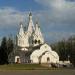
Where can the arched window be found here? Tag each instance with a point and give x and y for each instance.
(35, 41)
(39, 41)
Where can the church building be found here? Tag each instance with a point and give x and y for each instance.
(31, 47)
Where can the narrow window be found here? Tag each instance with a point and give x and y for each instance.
(48, 59)
(39, 41)
(35, 41)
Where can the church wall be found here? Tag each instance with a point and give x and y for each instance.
(44, 56)
(23, 41)
(47, 56)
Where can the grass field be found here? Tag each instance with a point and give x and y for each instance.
(39, 72)
(22, 67)
(11, 67)
(33, 69)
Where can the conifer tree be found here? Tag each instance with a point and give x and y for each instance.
(3, 51)
(10, 45)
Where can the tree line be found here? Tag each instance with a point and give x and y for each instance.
(65, 49)
(6, 48)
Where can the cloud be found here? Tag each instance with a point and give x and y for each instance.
(9, 20)
(60, 12)
(59, 18)
(57, 4)
(10, 17)
(52, 3)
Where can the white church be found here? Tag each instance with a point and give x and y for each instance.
(31, 46)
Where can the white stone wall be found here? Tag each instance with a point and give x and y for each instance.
(23, 41)
(43, 54)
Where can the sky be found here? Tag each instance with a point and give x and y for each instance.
(56, 17)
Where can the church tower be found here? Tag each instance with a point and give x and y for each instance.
(31, 27)
(38, 38)
(21, 32)
(22, 39)
(31, 37)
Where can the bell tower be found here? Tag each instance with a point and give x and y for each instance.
(38, 38)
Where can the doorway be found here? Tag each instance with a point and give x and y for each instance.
(17, 59)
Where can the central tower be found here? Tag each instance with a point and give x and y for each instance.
(31, 27)
(31, 37)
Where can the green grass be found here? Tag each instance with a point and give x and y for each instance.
(22, 67)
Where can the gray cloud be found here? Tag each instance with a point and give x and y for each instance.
(58, 18)
(9, 20)
(10, 17)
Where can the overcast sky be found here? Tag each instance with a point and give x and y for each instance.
(56, 17)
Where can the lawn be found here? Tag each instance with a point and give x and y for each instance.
(11, 67)
(22, 67)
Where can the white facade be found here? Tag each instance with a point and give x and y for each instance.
(44, 55)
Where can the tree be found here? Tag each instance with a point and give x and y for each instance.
(10, 45)
(66, 48)
(6, 48)
(72, 49)
(3, 51)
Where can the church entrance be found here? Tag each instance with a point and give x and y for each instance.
(17, 59)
